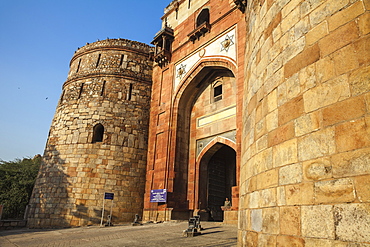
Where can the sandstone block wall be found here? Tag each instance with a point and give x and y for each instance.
(305, 168)
(108, 84)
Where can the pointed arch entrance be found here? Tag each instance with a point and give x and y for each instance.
(217, 177)
(204, 108)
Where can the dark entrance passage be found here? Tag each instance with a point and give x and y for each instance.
(217, 177)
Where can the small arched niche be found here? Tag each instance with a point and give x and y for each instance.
(203, 17)
(98, 133)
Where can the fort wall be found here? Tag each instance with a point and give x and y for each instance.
(306, 146)
(98, 138)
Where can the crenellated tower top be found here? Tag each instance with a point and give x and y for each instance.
(118, 57)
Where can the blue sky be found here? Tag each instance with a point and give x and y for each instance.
(37, 40)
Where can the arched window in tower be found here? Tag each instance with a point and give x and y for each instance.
(129, 93)
(217, 91)
(202, 25)
(203, 17)
(78, 66)
(81, 90)
(98, 61)
(98, 133)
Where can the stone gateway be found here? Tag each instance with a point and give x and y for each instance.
(264, 102)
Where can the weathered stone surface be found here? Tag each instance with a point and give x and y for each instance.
(266, 240)
(317, 33)
(290, 223)
(307, 123)
(318, 144)
(351, 163)
(359, 81)
(254, 199)
(318, 221)
(345, 59)
(362, 186)
(299, 194)
(291, 110)
(352, 222)
(272, 101)
(344, 110)
(363, 23)
(327, 93)
(280, 194)
(305, 58)
(285, 153)
(314, 242)
(325, 69)
(317, 169)
(346, 15)
(271, 220)
(289, 20)
(352, 135)
(267, 198)
(256, 220)
(281, 134)
(339, 190)
(338, 38)
(325, 160)
(252, 239)
(284, 241)
(264, 160)
(290, 174)
(325, 9)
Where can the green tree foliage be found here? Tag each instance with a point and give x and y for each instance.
(17, 179)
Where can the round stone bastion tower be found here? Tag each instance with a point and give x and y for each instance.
(98, 139)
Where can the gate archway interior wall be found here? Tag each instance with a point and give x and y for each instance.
(206, 110)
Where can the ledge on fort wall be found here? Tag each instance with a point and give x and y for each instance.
(12, 224)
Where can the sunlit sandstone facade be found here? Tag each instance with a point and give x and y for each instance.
(265, 102)
(98, 138)
(305, 169)
(195, 118)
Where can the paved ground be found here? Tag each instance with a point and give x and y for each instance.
(162, 234)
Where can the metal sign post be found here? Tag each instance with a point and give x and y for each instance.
(108, 196)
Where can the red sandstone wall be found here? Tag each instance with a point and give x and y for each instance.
(170, 165)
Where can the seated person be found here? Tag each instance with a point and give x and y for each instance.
(227, 203)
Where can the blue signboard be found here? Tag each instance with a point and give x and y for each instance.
(108, 196)
(158, 195)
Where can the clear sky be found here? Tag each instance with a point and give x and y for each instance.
(37, 41)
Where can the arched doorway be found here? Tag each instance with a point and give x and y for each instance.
(217, 176)
(204, 109)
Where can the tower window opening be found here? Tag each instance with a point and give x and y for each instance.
(81, 90)
(102, 89)
(217, 92)
(177, 14)
(203, 17)
(189, 4)
(121, 61)
(129, 94)
(98, 133)
(78, 66)
(97, 62)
